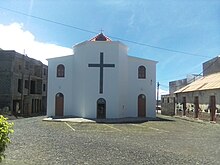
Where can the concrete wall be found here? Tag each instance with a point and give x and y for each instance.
(167, 105)
(211, 66)
(176, 85)
(204, 101)
(5, 79)
(204, 98)
(16, 67)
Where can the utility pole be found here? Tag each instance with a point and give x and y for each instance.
(158, 85)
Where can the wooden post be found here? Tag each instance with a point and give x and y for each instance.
(196, 105)
(158, 85)
(212, 106)
(184, 106)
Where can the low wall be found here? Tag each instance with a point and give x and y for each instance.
(202, 115)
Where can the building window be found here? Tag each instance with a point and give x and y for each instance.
(45, 71)
(44, 87)
(19, 85)
(60, 70)
(27, 65)
(26, 84)
(141, 72)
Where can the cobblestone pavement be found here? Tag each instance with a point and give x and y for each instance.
(172, 141)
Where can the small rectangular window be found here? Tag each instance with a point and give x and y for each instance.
(26, 84)
(27, 65)
(45, 71)
(44, 87)
(19, 85)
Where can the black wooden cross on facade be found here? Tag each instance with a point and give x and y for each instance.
(101, 65)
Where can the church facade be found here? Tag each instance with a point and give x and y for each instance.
(101, 81)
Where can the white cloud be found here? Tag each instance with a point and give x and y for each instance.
(162, 92)
(13, 37)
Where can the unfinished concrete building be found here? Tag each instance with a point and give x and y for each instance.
(211, 66)
(23, 83)
(178, 84)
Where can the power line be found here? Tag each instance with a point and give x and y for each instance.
(213, 62)
(161, 48)
(165, 86)
(200, 74)
(197, 75)
(89, 31)
(48, 20)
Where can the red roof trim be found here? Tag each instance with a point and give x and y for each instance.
(100, 37)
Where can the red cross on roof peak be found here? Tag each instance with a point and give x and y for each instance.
(100, 37)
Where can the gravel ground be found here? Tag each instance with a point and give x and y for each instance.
(174, 141)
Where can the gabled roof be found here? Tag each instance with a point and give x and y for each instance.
(100, 37)
(211, 81)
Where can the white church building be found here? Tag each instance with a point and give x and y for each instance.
(101, 81)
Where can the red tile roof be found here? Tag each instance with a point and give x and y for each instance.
(100, 37)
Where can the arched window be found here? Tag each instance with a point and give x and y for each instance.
(60, 70)
(141, 72)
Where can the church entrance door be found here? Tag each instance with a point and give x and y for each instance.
(141, 105)
(59, 104)
(101, 108)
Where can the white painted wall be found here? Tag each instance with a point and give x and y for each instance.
(62, 85)
(142, 86)
(81, 83)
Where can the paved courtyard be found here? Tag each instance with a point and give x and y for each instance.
(168, 141)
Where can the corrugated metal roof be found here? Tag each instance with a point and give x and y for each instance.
(205, 83)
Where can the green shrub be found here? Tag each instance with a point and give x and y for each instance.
(5, 130)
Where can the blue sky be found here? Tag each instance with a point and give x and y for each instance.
(188, 25)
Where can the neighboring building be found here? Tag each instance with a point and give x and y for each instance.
(101, 81)
(211, 66)
(203, 95)
(178, 84)
(198, 98)
(175, 85)
(168, 105)
(23, 84)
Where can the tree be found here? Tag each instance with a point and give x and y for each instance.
(5, 130)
